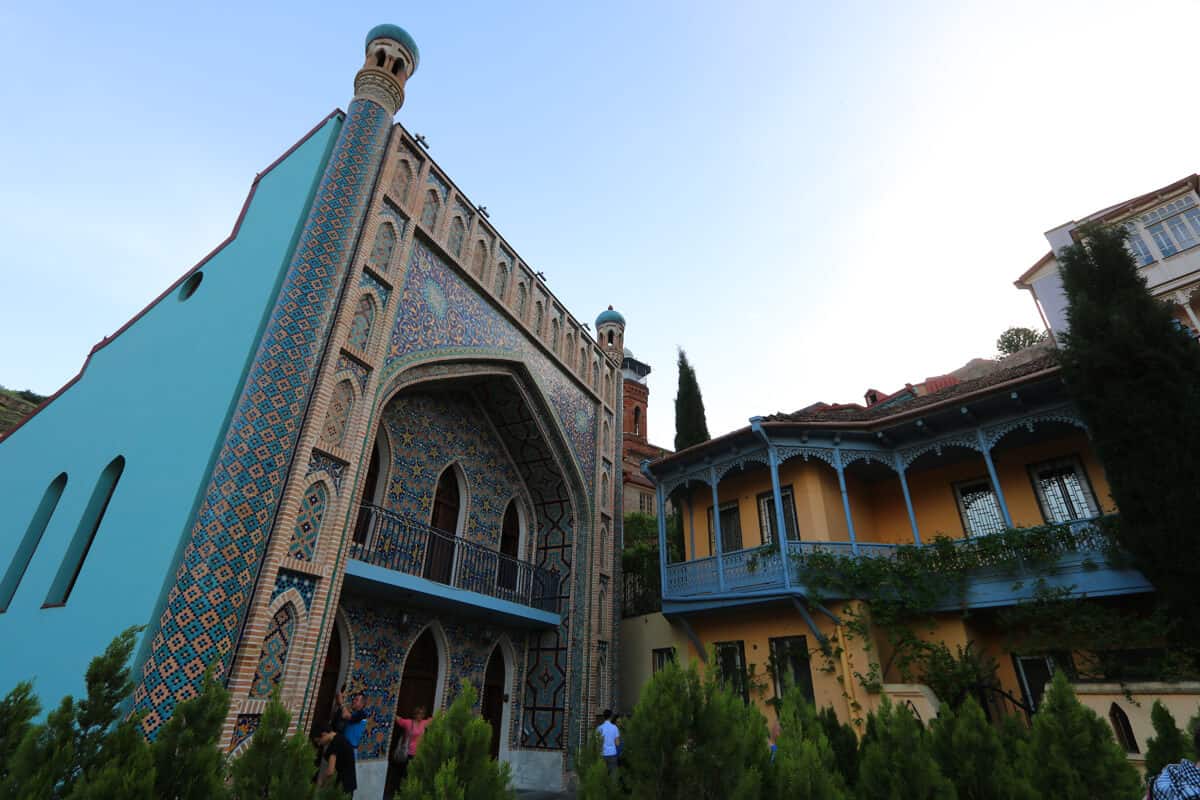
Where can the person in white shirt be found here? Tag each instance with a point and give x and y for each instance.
(610, 740)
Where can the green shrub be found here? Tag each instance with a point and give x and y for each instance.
(1168, 745)
(805, 765)
(844, 743)
(897, 761)
(971, 753)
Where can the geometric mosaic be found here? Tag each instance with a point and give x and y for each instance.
(308, 523)
(273, 659)
(305, 585)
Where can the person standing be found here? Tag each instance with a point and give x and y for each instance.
(610, 741)
(413, 729)
(337, 757)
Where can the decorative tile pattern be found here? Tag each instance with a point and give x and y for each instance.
(308, 523)
(454, 241)
(273, 660)
(441, 313)
(360, 325)
(381, 250)
(397, 217)
(245, 727)
(438, 183)
(402, 180)
(336, 419)
(334, 468)
(305, 585)
(369, 281)
(356, 368)
(206, 607)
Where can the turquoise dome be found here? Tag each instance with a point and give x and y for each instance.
(400, 35)
(610, 316)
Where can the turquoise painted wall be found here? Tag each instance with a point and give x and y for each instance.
(160, 395)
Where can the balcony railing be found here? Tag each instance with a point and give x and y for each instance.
(761, 568)
(391, 541)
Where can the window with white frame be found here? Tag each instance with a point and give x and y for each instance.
(978, 507)
(731, 529)
(660, 657)
(1173, 227)
(766, 515)
(1063, 490)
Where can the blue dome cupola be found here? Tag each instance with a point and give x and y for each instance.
(610, 332)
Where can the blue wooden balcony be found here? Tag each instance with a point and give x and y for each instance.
(404, 561)
(1079, 563)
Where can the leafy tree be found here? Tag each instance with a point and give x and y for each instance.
(189, 764)
(274, 766)
(1072, 754)
(954, 676)
(1136, 379)
(690, 424)
(844, 743)
(17, 711)
(454, 760)
(125, 768)
(805, 765)
(691, 738)
(1168, 745)
(972, 755)
(898, 763)
(1015, 339)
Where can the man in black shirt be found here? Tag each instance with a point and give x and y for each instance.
(336, 756)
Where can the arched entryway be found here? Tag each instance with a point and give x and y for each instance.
(419, 689)
(374, 487)
(510, 543)
(447, 508)
(495, 697)
(333, 670)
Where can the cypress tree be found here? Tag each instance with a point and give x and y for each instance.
(454, 756)
(972, 755)
(1072, 754)
(17, 711)
(805, 765)
(898, 763)
(1168, 745)
(274, 766)
(690, 425)
(189, 764)
(844, 743)
(594, 780)
(1135, 376)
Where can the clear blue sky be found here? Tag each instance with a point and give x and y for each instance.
(810, 198)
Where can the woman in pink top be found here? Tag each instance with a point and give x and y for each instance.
(413, 730)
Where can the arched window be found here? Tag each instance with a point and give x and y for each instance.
(610, 338)
(554, 328)
(308, 523)
(29, 542)
(429, 214)
(583, 362)
(480, 258)
(601, 607)
(381, 251)
(273, 659)
(402, 180)
(380, 58)
(339, 414)
(510, 538)
(637, 420)
(1122, 729)
(608, 386)
(522, 299)
(454, 241)
(596, 375)
(85, 534)
(447, 508)
(538, 314)
(360, 326)
(604, 490)
(604, 441)
(374, 487)
(501, 280)
(569, 351)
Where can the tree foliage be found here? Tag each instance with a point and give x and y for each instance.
(692, 738)
(691, 427)
(1135, 377)
(844, 743)
(1168, 745)
(17, 710)
(188, 761)
(594, 781)
(897, 761)
(1016, 339)
(454, 760)
(972, 754)
(1072, 754)
(805, 765)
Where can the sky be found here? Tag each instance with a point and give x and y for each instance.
(810, 199)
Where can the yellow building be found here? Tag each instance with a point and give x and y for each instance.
(965, 456)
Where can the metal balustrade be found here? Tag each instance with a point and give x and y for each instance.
(394, 542)
(761, 568)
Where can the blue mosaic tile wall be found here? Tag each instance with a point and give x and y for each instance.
(306, 585)
(207, 606)
(382, 636)
(442, 314)
(320, 462)
(428, 431)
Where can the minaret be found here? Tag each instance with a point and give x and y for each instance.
(610, 332)
(215, 607)
(391, 59)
